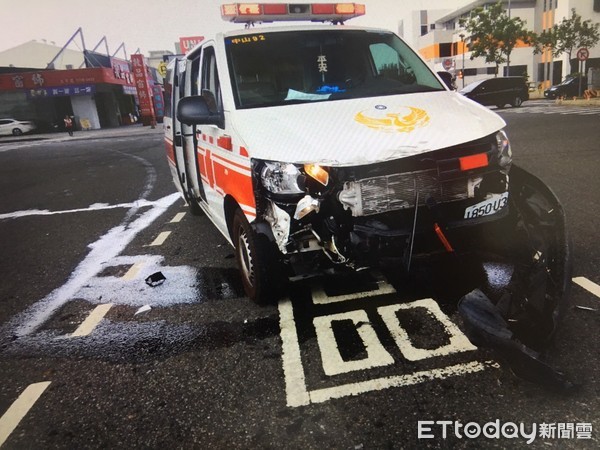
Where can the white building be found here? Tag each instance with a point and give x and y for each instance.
(37, 55)
(443, 41)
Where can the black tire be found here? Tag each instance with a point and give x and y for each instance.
(517, 102)
(256, 258)
(500, 105)
(17, 132)
(193, 206)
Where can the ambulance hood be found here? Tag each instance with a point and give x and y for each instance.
(363, 131)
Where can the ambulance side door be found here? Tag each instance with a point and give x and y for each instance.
(208, 137)
(188, 132)
(174, 90)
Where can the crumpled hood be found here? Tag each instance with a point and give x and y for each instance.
(362, 131)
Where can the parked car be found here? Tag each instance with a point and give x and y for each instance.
(568, 88)
(15, 127)
(448, 79)
(498, 91)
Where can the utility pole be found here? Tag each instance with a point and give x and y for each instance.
(462, 40)
(508, 56)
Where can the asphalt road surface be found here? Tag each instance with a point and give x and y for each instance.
(91, 356)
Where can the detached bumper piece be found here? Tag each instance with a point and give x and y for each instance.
(524, 292)
(485, 327)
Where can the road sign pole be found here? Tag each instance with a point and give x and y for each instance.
(582, 55)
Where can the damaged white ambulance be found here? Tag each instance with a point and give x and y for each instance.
(321, 148)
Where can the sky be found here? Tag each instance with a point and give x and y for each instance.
(158, 24)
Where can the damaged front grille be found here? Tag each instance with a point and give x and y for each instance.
(397, 191)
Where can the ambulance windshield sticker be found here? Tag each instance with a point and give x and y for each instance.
(322, 66)
(247, 39)
(403, 120)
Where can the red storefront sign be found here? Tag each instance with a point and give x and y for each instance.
(188, 43)
(58, 78)
(143, 84)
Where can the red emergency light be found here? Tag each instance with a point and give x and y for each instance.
(271, 12)
(473, 161)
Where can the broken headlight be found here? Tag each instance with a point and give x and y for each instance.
(282, 178)
(290, 179)
(504, 150)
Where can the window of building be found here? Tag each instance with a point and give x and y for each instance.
(445, 49)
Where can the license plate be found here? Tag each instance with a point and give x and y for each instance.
(487, 207)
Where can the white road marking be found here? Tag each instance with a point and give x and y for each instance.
(378, 384)
(104, 249)
(94, 207)
(133, 271)
(588, 285)
(295, 384)
(321, 298)
(20, 407)
(177, 217)
(554, 109)
(458, 341)
(297, 392)
(160, 239)
(95, 317)
(333, 364)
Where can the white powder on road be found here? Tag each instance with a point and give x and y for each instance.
(102, 251)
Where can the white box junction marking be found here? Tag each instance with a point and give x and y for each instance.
(458, 341)
(333, 364)
(299, 394)
(319, 296)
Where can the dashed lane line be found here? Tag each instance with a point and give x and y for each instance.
(92, 321)
(177, 217)
(160, 239)
(20, 407)
(588, 285)
(133, 271)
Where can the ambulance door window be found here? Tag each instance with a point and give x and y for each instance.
(211, 89)
(194, 75)
(168, 95)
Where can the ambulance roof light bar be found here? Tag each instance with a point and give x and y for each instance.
(250, 13)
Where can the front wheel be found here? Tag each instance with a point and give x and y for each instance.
(17, 132)
(517, 102)
(262, 275)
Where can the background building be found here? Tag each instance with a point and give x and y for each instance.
(443, 42)
(38, 54)
(43, 82)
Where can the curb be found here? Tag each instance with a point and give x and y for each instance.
(130, 130)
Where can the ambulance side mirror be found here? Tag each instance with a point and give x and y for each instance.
(193, 110)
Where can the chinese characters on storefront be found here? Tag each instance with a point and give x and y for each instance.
(61, 91)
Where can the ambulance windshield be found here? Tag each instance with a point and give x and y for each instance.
(278, 68)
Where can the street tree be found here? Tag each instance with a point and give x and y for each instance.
(567, 36)
(493, 34)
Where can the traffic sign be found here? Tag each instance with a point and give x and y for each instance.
(448, 64)
(583, 54)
